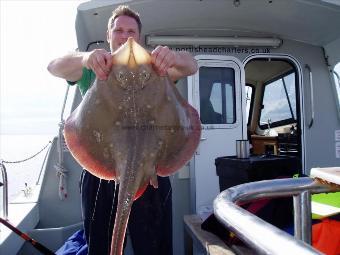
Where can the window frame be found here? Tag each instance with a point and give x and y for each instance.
(251, 106)
(222, 87)
(228, 62)
(285, 121)
(335, 73)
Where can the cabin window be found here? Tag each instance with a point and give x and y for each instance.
(279, 102)
(217, 95)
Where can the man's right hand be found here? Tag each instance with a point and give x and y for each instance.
(99, 61)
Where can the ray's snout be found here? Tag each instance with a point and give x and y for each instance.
(131, 54)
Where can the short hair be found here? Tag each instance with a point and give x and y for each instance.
(124, 10)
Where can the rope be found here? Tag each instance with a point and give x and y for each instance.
(61, 171)
(2, 165)
(42, 165)
(62, 174)
(26, 159)
(64, 104)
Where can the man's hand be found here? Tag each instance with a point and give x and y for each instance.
(163, 58)
(175, 64)
(99, 61)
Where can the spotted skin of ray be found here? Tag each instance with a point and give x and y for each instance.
(129, 129)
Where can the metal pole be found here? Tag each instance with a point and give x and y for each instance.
(303, 217)
(5, 190)
(306, 217)
(297, 217)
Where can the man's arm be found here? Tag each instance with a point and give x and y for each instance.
(177, 64)
(185, 65)
(70, 67)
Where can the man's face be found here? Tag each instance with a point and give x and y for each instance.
(122, 28)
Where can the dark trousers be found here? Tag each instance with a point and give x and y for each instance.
(150, 222)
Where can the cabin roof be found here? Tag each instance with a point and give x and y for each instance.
(314, 22)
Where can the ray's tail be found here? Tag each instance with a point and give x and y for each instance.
(130, 188)
(125, 200)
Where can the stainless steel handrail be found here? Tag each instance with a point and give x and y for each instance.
(311, 95)
(337, 77)
(260, 235)
(5, 190)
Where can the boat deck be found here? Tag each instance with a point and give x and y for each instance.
(204, 242)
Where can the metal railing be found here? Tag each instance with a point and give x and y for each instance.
(257, 233)
(5, 190)
(5, 179)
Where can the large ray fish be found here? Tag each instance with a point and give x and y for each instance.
(131, 128)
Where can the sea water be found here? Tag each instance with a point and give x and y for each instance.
(24, 174)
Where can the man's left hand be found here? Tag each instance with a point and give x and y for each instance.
(163, 58)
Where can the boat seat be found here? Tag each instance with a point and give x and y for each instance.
(52, 238)
(204, 242)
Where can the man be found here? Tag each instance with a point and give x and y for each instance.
(150, 223)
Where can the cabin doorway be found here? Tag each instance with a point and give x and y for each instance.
(273, 107)
(216, 93)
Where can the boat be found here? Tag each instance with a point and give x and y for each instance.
(267, 88)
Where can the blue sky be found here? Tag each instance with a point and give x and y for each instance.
(32, 34)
